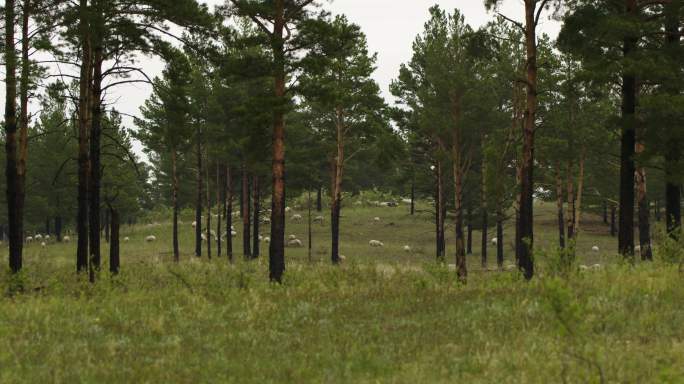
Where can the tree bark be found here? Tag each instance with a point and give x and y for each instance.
(485, 213)
(83, 141)
(219, 209)
(526, 214)
(229, 214)
(559, 205)
(459, 173)
(413, 196)
(439, 213)
(605, 212)
(644, 214)
(571, 205)
(469, 241)
(500, 239)
(114, 242)
(613, 224)
(336, 207)
(13, 182)
(673, 155)
(579, 192)
(208, 202)
(255, 214)
(277, 245)
(198, 202)
(628, 142)
(174, 198)
(58, 228)
(246, 209)
(95, 164)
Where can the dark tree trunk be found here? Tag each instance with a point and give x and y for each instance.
(47, 226)
(277, 245)
(310, 234)
(439, 214)
(413, 198)
(255, 214)
(95, 164)
(656, 209)
(673, 155)
(559, 206)
(58, 228)
(571, 207)
(83, 124)
(208, 202)
(229, 214)
(605, 212)
(319, 199)
(114, 243)
(484, 211)
(106, 225)
(628, 142)
(219, 209)
(246, 228)
(174, 198)
(644, 211)
(613, 226)
(469, 242)
(13, 183)
(338, 167)
(500, 239)
(199, 198)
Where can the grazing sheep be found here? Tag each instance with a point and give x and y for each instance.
(407, 248)
(267, 239)
(66, 239)
(296, 217)
(29, 239)
(203, 236)
(637, 249)
(38, 236)
(213, 233)
(406, 201)
(47, 237)
(42, 244)
(194, 224)
(318, 219)
(376, 243)
(510, 267)
(596, 267)
(342, 258)
(288, 209)
(267, 220)
(294, 243)
(595, 248)
(583, 267)
(261, 238)
(495, 241)
(126, 238)
(151, 238)
(233, 233)
(376, 219)
(292, 237)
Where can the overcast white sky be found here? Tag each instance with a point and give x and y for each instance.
(390, 25)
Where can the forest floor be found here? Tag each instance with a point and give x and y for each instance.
(385, 315)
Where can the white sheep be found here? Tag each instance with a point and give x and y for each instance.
(66, 239)
(376, 243)
(203, 236)
(29, 239)
(267, 239)
(261, 238)
(583, 267)
(596, 267)
(126, 238)
(318, 219)
(343, 258)
(294, 243)
(407, 248)
(233, 233)
(38, 236)
(495, 241)
(47, 237)
(292, 237)
(151, 238)
(406, 201)
(43, 244)
(510, 267)
(637, 249)
(296, 217)
(267, 220)
(288, 209)
(194, 224)
(595, 248)
(376, 219)
(213, 233)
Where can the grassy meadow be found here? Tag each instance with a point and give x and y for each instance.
(385, 315)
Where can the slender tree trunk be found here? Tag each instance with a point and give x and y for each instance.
(485, 213)
(95, 165)
(208, 201)
(605, 212)
(500, 239)
(114, 244)
(319, 199)
(628, 142)
(337, 187)
(219, 209)
(310, 234)
(174, 197)
(106, 225)
(255, 214)
(83, 141)
(571, 205)
(58, 228)
(198, 202)
(24, 117)
(13, 182)
(246, 209)
(613, 224)
(673, 155)
(559, 205)
(277, 245)
(458, 173)
(526, 215)
(440, 213)
(229, 214)
(469, 242)
(580, 193)
(644, 219)
(656, 209)
(413, 196)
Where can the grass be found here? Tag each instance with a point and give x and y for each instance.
(384, 316)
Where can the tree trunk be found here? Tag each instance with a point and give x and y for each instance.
(255, 214)
(559, 205)
(413, 197)
(469, 242)
(485, 213)
(337, 187)
(644, 219)
(310, 234)
(58, 228)
(439, 213)
(198, 202)
(246, 209)
(174, 198)
(579, 193)
(208, 202)
(106, 225)
(656, 209)
(673, 155)
(628, 142)
(95, 165)
(47, 226)
(219, 209)
(319, 199)
(114, 243)
(613, 227)
(13, 182)
(571, 205)
(526, 215)
(458, 173)
(83, 145)
(605, 212)
(229, 214)
(500, 239)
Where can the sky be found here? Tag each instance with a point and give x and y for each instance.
(390, 26)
